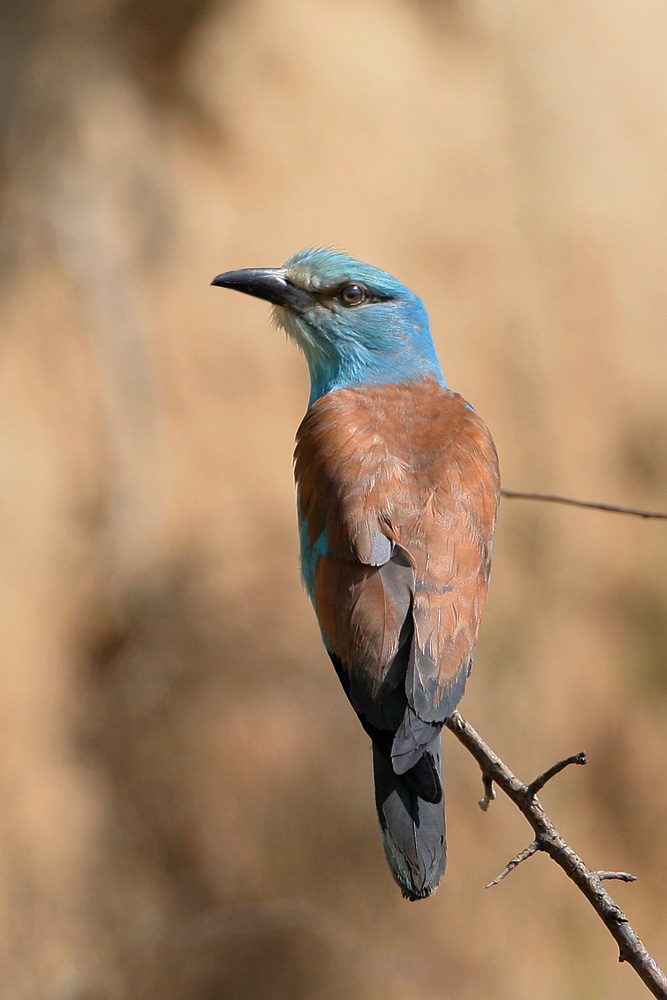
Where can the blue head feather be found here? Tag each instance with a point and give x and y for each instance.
(383, 339)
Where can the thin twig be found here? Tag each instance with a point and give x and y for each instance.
(631, 949)
(540, 781)
(621, 876)
(523, 855)
(554, 498)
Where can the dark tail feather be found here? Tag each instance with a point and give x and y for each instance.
(413, 830)
(424, 777)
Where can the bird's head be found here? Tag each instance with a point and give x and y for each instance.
(355, 324)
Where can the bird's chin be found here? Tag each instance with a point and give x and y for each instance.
(295, 328)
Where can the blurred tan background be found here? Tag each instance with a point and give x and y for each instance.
(186, 799)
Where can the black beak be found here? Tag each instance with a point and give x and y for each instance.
(270, 283)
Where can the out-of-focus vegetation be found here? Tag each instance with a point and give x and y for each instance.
(187, 806)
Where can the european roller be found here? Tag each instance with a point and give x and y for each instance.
(397, 494)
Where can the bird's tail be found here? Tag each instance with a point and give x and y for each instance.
(413, 829)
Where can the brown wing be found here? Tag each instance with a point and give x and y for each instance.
(404, 482)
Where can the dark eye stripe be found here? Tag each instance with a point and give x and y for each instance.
(351, 294)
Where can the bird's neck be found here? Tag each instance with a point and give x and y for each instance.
(362, 367)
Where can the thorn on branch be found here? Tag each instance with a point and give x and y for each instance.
(521, 856)
(538, 784)
(625, 955)
(489, 793)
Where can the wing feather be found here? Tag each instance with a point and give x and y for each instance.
(404, 482)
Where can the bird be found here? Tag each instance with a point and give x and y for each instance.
(397, 484)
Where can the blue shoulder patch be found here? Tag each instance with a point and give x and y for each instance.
(310, 553)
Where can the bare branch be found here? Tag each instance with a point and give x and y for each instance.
(523, 855)
(548, 839)
(555, 498)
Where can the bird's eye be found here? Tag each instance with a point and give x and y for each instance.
(352, 294)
